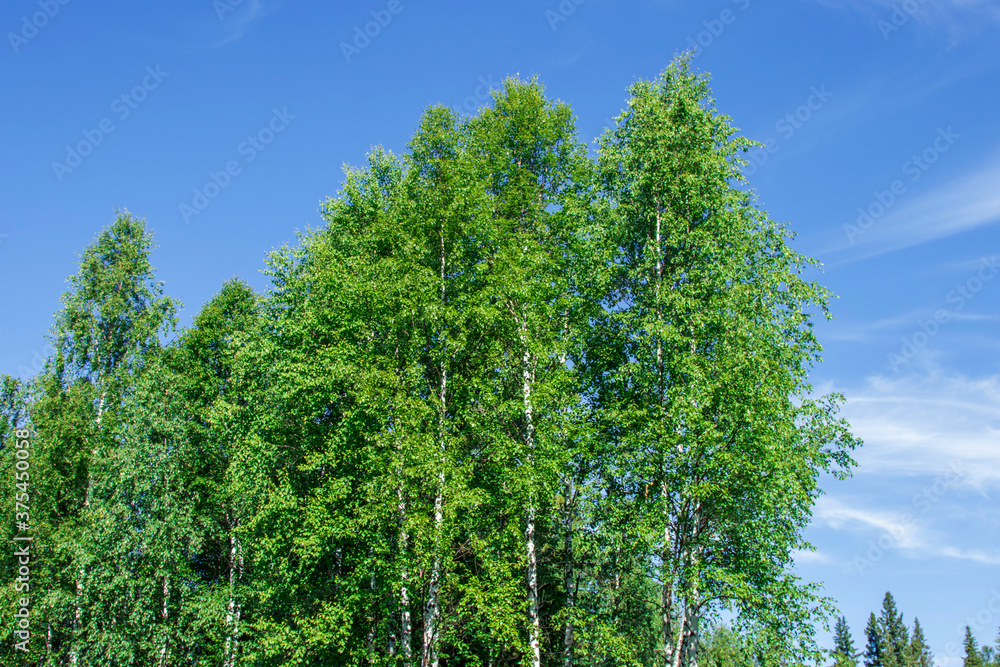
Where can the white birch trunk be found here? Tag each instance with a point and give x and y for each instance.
(666, 552)
(405, 622)
(534, 622)
(78, 610)
(432, 610)
(569, 580)
(165, 614)
(678, 652)
(233, 607)
(667, 593)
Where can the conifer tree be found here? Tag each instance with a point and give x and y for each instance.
(844, 654)
(918, 653)
(873, 643)
(971, 657)
(893, 633)
(991, 654)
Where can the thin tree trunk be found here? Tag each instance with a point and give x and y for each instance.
(406, 639)
(693, 605)
(165, 614)
(666, 599)
(569, 504)
(165, 610)
(677, 652)
(666, 552)
(405, 622)
(78, 610)
(687, 649)
(534, 622)
(432, 610)
(233, 608)
(686, 646)
(569, 579)
(372, 586)
(534, 627)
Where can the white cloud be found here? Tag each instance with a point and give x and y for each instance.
(929, 428)
(957, 18)
(805, 556)
(905, 534)
(964, 204)
(920, 422)
(978, 555)
(239, 20)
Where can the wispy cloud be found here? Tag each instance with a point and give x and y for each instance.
(909, 535)
(956, 18)
(805, 556)
(238, 22)
(887, 330)
(967, 203)
(864, 332)
(838, 514)
(977, 555)
(918, 422)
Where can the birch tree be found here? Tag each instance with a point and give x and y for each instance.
(534, 173)
(721, 443)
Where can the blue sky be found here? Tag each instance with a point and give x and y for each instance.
(225, 123)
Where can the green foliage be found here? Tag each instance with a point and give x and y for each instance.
(844, 654)
(893, 635)
(699, 362)
(888, 641)
(874, 643)
(917, 653)
(721, 647)
(972, 657)
(508, 405)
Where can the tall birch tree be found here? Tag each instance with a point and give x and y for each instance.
(708, 346)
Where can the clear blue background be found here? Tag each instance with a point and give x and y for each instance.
(893, 89)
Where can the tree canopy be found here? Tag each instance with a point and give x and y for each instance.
(510, 404)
